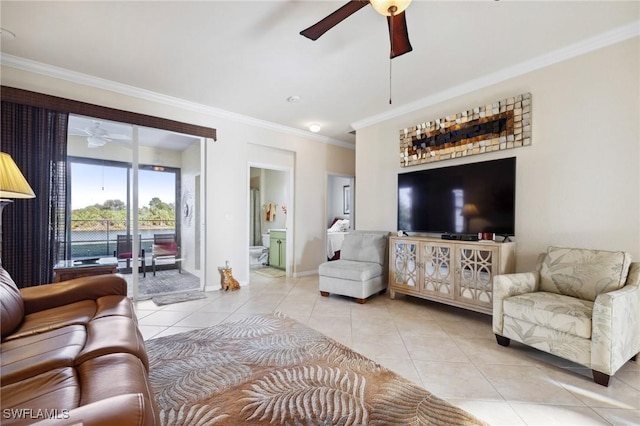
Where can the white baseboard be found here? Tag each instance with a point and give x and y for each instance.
(305, 273)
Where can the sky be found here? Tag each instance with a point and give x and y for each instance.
(94, 184)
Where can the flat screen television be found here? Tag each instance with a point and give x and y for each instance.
(464, 199)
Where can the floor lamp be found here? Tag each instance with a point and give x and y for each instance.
(469, 211)
(12, 185)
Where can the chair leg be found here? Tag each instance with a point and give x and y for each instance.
(601, 378)
(153, 266)
(503, 341)
(324, 293)
(361, 301)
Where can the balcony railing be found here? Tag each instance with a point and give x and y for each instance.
(97, 238)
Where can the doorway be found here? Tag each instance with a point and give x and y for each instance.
(340, 212)
(131, 190)
(270, 212)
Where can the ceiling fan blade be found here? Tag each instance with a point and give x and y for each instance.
(318, 29)
(78, 132)
(119, 136)
(398, 35)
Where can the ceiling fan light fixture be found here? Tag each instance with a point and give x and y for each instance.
(95, 141)
(390, 7)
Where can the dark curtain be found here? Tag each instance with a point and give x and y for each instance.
(33, 230)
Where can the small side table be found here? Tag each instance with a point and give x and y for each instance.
(76, 268)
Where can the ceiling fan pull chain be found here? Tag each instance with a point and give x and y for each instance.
(391, 56)
(390, 80)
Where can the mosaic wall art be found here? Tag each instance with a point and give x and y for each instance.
(502, 125)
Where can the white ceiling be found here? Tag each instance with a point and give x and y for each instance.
(248, 57)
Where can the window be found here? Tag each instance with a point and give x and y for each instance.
(99, 200)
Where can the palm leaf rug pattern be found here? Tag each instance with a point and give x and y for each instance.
(272, 370)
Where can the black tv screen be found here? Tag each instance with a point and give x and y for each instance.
(465, 199)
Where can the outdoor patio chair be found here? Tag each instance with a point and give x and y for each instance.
(124, 251)
(164, 247)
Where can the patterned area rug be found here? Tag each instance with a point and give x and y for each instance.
(166, 281)
(273, 370)
(168, 299)
(270, 272)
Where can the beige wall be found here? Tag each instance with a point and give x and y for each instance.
(577, 185)
(227, 162)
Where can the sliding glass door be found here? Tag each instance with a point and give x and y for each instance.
(127, 202)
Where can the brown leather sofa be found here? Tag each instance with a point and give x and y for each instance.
(72, 354)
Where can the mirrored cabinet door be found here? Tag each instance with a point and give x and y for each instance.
(477, 268)
(438, 276)
(405, 264)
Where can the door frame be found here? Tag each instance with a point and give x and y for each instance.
(290, 212)
(352, 204)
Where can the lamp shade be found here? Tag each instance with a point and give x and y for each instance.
(12, 182)
(389, 7)
(469, 210)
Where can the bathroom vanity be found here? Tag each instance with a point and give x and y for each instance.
(278, 248)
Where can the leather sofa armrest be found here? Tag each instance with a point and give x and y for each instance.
(58, 294)
(616, 325)
(509, 285)
(121, 410)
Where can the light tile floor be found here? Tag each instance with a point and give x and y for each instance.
(449, 351)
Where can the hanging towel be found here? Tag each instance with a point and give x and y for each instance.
(270, 212)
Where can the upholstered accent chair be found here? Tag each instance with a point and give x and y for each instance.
(362, 269)
(581, 305)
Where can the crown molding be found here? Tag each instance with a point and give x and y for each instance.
(124, 89)
(599, 41)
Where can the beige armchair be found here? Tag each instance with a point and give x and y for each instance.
(581, 305)
(362, 269)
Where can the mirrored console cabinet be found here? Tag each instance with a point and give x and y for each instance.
(459, 273)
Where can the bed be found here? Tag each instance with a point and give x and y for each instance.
(335, 237)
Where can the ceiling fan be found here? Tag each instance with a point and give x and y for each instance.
(392, 9)
(98, 136)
